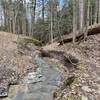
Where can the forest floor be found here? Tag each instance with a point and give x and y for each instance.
(20, 61)
(87, 84)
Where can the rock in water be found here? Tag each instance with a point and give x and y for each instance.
(35, 77)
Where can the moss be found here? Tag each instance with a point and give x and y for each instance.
(56, 66)
(73, 98)
(76, 80)
(33, 40)
(23, 42)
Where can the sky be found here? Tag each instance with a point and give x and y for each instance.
(61, 2)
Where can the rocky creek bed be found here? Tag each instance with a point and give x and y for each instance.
(39, 85)
(38, 77)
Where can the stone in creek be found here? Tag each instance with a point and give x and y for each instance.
(34, 77)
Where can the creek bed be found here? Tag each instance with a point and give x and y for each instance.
(41, 85)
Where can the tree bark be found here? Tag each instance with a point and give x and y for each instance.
(87, 19)
(74, 20)
(81, 14)
(96, 12)
(51, 21)
(43, 10)
(99, 12)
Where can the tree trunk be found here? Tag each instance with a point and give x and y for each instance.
(74, 20)
(91, 16)
(87, 19)
(51, 21)
(43, 10)
(81, 14)
(96, 12)
(33, 15)
(99, 12)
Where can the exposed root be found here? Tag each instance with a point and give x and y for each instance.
(67, 60)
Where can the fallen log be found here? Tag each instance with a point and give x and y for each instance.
(50, 53)
(92, 30)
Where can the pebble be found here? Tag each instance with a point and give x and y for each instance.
(34, 77)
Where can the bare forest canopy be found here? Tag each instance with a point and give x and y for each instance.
(47, 19)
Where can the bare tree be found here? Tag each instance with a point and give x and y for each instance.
(74, 20)
(99, 11)
(43, 10)
(96, 12)
(87, 18)
(51, 20)
(81, 14)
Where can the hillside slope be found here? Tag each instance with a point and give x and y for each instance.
(87, 86)
(13, 65)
